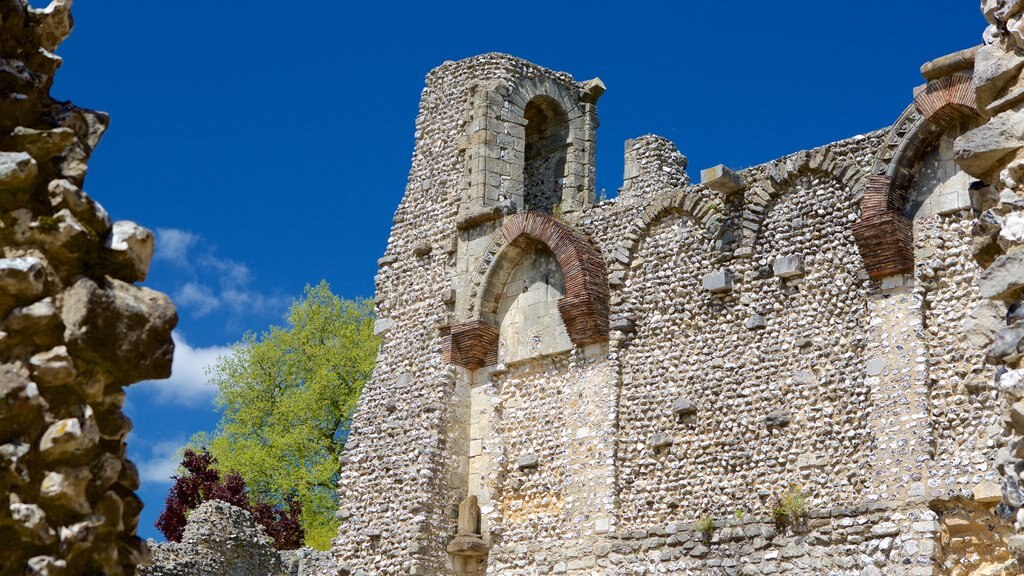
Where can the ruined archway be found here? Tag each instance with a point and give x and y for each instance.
(583, 307)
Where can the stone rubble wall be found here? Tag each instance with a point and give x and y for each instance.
(994, 153)
(74, 328)
(750, 350)
(827, 322)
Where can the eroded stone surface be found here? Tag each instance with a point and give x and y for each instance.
(68, 505)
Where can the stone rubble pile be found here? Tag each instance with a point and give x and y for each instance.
(224, 540)
(74, 329)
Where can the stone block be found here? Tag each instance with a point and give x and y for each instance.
(788, 266)
(987, 492)
(17, 169)
(660, 441)
(719, 281)
(721, 179)
(978, 150)
(528, 462)
(22, 278)
(874, 366)
(1017, 417)
(1003, 277)
(127, 251)
(1008, 344)
(994, 68)
(123, 324)
(381, 326)
(983, 322)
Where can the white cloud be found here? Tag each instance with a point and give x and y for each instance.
(243, 301)
(229, 272)
(188, 384)
(198, 298)
(162, 462)
(225, 285)
(173, 245)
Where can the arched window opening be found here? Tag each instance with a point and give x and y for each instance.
(547, 138)
(530, 284)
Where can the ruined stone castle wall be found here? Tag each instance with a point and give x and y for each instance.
(632, 386)
(74, 328)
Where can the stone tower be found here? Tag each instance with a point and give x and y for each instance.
(485, 279)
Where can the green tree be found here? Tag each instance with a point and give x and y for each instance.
(287, 397)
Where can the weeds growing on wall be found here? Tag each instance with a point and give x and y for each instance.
(706, 527)
(790, 507)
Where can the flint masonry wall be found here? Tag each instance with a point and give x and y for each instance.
(74, 329)
(813, 322)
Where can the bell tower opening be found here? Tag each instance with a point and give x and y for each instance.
(547, 141)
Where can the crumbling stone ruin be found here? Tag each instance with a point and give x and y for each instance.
(224, 540)
(811, 366)
(74, 329)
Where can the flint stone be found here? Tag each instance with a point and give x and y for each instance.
(998, 11)
(66, 196)
(128, 250)
(69, 437)
(1007, 345)
(1012, 495)
(1012, 231)
(1003, 277)
(30, 521)
(777, 419)
(46, 566)
(65, 488)
(755, 322)
(1016, 546)
(43, 144)
(788, 266)
(121, 325)
(683, 407)
(35, 318)
(977, 151)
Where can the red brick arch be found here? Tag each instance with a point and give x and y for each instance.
(584, 308)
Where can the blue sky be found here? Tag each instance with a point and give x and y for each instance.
(268, 143)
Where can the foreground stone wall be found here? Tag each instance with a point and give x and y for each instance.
(74, 329)
(994, 153)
